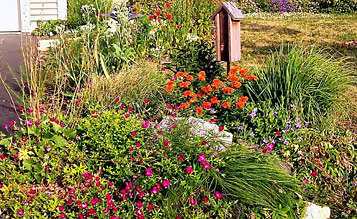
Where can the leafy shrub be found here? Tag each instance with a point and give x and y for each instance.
(282, 6)
(307, 77)
(347, 6)
(47, 28)
(202, 57)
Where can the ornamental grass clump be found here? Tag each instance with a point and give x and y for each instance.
(309, 78)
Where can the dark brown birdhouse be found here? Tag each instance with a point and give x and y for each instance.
(227, 19)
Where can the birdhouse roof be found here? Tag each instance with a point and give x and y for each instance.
(231, 9)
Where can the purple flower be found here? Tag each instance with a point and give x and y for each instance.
(240, 128)
(285, 131)
(297, 119)
(274, 112)
(293, 106)
(251, 134)
(266, 140)
(298, 125)
(286, 142)
(293, 129)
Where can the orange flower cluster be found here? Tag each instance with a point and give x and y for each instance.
(217, 86)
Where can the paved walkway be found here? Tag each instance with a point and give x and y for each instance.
(10, 58)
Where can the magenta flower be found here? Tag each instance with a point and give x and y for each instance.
(139, 204)
(202, 158)
(84, 205)
(5, 126)
(206, 165)
(127, 115)
(60, 208)
(131, 149)
(24, 139)
(62, 215)
(150, 207)
(314, 174)
(304, 181)
(21, 108)
(94, 201)
(218, 195)
(32, 192)
(192, 201)
(155, 190)
(146, 101)
(189, 170)
(174, 126)
(20, 212)
(105, 210)
(48, 149)
(166, 183)
(166, 143)
(148, 172)
(138, 144)
(108, 197)
(169, 106)
(177, 108)
(12, 123)
(133, 134)
(221, 128)
(130, 108)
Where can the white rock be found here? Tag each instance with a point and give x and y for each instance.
(201, 128)
(313, 211)
(44, 45)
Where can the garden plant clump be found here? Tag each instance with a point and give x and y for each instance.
(90, 140)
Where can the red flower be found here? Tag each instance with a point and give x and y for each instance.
(204, 142)
(135, 9)
(278, 133)
(60, 208)
(178, 26)
(101, 16)
(169, 16)
(108, 197)
(151, 16)
(63, 215)
(205, 199)
(180, 158)
(150, 207)
(157, 12)
(32, 192)
(314, 174)
(168, 4)
(146, 101)
(221, 128)
(2, 157)
(166, 143)
(131, 149)
(133, 134)
(117, 99)
(189, 170)
(92, 211)
(21, 108)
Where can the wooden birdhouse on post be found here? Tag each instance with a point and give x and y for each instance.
(228, 41)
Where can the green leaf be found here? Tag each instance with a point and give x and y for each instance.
(5, 142)
(70, 133)
(59, 141)
(28, 164)
(106, 73)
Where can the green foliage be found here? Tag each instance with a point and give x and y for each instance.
(332, 156)
(344, 6)
(307, 77)
(201, 56)
(48, 28)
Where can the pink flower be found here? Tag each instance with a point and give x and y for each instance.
(206, 165)
(174, 126)
(127, 115)
(62, 215)
(80, 216)
(218, 195)
(130, 108)
(148, 172)
(5, 126)
(94, 201)
(304, 181)
(202, 158)
(131, 149)
(128, 185)
(155, 190)
(60, 208)
(110, 184)
(70, 201)
(163, 68)
(146, 101)
(24, 139)
(165, 156)
(2, 157)
(221, 128)
(123, 192)
(105, 210)
(48, 149)
(133, 134)
(138, 144)
(189, 170)
(21, 108)
(314, 174)
(166, 183)
(169, 106)
(108, 197)
(204, 142)
(32, 192)
(177, 108)
(20, 212)
(166, 143)
(71, 191)
(12, 123)
(139, 204)
(192, 201)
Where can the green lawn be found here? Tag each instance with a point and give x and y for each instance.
(264, 33)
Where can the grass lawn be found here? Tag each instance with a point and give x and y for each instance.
(264, 33)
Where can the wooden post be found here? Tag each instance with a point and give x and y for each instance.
(228, 67)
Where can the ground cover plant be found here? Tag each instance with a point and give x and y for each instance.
(91, 144)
